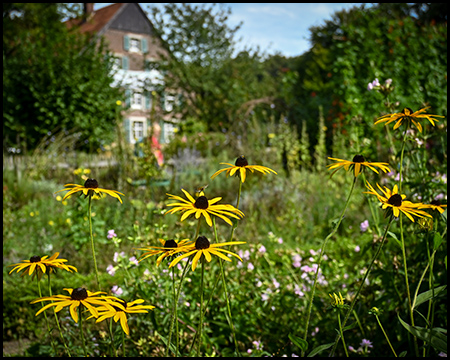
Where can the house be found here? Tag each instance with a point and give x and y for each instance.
(130, 38)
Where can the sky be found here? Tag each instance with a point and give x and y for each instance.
(276, 27)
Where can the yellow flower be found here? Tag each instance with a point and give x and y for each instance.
(336, 300)
(78, 296)
(240, 167)
(358, 163)
(203, 206)
(42, 264)
(409, 116)
(434, 205)
(167, 249)
(51, 223)
(118, 310)
(395, 202)
(90, 188)
(201, 247)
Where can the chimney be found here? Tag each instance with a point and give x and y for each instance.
(88, 9)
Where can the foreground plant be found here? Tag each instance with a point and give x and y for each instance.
(89, 189)
(203, 249)
(203, 207)
(78, 298)
(394, 205)
(408, 116)
(37, 266)
(240, 168)
(337, 302)
(118, 309)
(357, 165)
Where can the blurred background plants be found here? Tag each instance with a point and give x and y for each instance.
(296, 112)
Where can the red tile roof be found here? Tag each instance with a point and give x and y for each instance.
(97, 20)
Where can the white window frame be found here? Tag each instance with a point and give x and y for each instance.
(137, 101)
(135, 44)
(138, 126)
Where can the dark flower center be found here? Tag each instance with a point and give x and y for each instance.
(202, 243)
(79, 294)
(395, 200)
(359, 159)
(35, 258)
(170, 244)
(201, 203)
(91, 184)
(241, 161)
(407, 111)
(435, 203)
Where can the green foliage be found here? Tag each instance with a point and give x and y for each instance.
(53, 79)
(385, 41)
(216, 87)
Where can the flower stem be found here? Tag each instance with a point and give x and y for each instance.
(92, 242)
(175, 316)
(123, 344)
(111, 336)
(45, 315)
(411, 314)
(341, 332)
(200, 325)
(81, 330)
(322, 251)
(56, 317)
(229, 317)
(362, 282)
(385, 335)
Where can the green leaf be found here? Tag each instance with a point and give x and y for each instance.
(319, 349)
(437, 241)
(302, 344)
(395, 238)
(427, 295)
(438, 339)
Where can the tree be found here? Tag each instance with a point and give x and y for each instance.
(218, 88)
(53, 78)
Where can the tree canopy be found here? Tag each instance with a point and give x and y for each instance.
(53, 78)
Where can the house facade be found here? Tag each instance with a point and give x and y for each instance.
(130, 38)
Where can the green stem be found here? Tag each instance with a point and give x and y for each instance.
(56, 317)
(411, 314)
(123, 344)
(81, 330)
(45, 315)
(176, 302)
(92, 242)
(342, 334)
(362, 282)
(200, 325)
(111, 336)
(322, 251)
(229, 317)
(385, 335)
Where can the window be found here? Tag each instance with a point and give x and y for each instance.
(136, 101)
(135, 45)
(137, 130)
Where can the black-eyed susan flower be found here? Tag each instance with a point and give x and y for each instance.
(357, 164)
(40, 265)
(90, 188)
(407, 115)
(394, 202)
(434, 205)
(336, 301)
(166, 250)
(203, 247)
(203, 206)
(78, 296)
(118, 310)
(240, 167)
